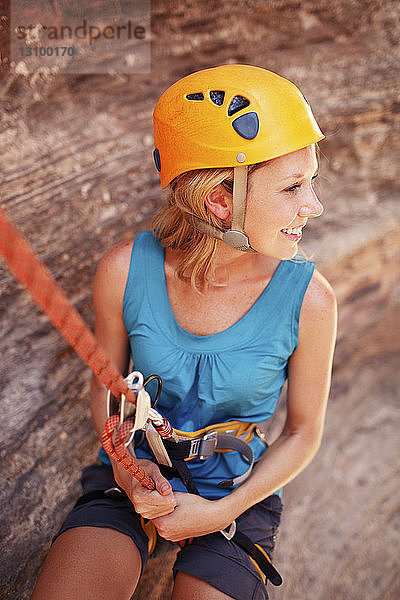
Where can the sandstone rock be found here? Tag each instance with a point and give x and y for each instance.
(77, 176)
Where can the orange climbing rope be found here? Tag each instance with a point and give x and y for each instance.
(34, 275)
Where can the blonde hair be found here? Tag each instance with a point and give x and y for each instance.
(187, 195)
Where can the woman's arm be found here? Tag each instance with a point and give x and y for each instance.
(308, 389)
(109, 288)
(309, 378)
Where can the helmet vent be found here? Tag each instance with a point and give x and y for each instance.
(217, 96)
(197, 96)
(157, 161)
(237, 103)
(246, 125)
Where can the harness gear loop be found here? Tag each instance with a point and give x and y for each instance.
(231, 531)
(240, 429)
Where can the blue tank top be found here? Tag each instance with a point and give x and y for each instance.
(235, 374)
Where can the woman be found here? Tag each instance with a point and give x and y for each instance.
(219, 303)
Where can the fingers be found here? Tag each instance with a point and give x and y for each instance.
(163, 486)
(125, 480)
(149, 504)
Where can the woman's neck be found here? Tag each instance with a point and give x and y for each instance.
(235, 266)
(231, 267)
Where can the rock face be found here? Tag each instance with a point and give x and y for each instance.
(77, 176)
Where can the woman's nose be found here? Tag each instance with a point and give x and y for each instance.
(311, 207)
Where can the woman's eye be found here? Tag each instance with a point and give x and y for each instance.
(293, 188)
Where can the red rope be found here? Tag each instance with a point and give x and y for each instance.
(118, 451)
(165, 429)
(37, 279)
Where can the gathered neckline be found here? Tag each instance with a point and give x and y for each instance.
(224, 333)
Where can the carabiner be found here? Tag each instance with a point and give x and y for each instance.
(122, 409)
(135, 387)
(143, 403)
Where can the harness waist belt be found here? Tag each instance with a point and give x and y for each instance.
(205, 446)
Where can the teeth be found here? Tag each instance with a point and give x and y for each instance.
(295, 230)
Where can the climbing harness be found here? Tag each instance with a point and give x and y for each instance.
(172, 448)
(117, 437)
(209, 441)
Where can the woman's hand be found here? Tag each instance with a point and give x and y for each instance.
(193, 516)
(149, 504)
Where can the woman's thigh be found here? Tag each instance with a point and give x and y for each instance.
(89, 562)
(100, 549)
(187, 587)
(211, 561)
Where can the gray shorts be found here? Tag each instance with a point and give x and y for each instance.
(213, 558)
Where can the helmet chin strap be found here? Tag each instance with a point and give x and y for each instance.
(235, 236)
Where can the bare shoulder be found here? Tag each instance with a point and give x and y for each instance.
(319, 306)
(114, 265)
(112, 273)
(319, 295)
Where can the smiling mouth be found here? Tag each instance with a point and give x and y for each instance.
(293, 233)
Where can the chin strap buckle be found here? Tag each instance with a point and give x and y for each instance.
(236, 239)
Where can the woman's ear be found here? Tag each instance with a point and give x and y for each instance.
(219, 202)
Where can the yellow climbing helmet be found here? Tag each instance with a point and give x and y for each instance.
(229, 116)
